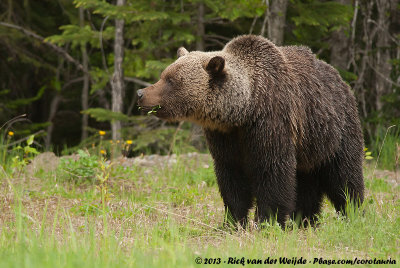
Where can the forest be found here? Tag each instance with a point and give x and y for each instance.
(87, 179)
(72, 68)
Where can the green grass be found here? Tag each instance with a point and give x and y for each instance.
(387, 147)
(167, 215)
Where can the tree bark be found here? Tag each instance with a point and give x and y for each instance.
(200, 31)
(117, 80)
(54, 106)
(266, 19)
(352, 47)
(53, 111)
(382, 58)
(340, 44)
(361, 68)
(276, 21)
(10, 8)
(85, 88)
(55, 102)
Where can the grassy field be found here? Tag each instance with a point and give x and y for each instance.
(166, 213)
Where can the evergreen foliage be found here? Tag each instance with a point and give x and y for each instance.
(43, 82)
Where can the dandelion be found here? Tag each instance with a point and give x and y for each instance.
(117, 141)
(10, 134)
(103, 151)
(102, 133)
(129, 142)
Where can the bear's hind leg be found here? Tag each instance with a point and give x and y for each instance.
(308, 198)
(342, 178)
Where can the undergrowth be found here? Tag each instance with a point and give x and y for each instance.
(167, 216)
(91, 211)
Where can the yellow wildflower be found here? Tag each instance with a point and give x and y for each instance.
(10, 133)
(102, 151)
(129, 142)
(102, 133)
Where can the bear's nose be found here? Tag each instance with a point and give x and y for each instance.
(140, 93)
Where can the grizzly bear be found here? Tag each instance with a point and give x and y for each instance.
(281, 125)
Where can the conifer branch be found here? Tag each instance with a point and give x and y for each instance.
(56, 48)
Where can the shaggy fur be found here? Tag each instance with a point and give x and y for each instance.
(281, 125)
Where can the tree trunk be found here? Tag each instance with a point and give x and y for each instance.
(267, 16)
(382, 64)
(54, 106)
(10, 9)
(340, 45)
(276, 21)
(200, 31)
(85, 88)
(200, 45)
(360, 68)
(117, 80)
(53, 111)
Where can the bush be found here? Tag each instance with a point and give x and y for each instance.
(82, 169)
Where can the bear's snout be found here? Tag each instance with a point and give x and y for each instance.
(149, 96)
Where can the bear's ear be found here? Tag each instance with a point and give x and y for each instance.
(182, 52)
(216, 65)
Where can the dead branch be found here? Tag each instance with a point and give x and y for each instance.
(23, 139)
(137, 81)
(253, 24)
(56, 48)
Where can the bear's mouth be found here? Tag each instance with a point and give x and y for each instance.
(154, 110)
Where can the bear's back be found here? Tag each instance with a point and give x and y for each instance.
(302, 62)
(324, 97)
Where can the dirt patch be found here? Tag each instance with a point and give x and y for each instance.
(391, 177)
(157, 161)
(47, 161)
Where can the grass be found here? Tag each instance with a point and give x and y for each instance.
(387, 147)
(169, 214)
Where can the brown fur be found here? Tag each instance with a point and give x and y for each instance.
(281, 125)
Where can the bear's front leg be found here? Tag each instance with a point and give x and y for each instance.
(275, 194)
(235, 192)
(233, 185)
(271, 165)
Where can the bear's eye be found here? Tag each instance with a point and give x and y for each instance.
(170, 81)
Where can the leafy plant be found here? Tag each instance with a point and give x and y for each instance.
(82, 169)
(102, 178)
(153, 110)
(28, 152)
(368, 154)
(159, 141)
(314, 20)
(102, 115)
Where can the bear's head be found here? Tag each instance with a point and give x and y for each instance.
(207, 88)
